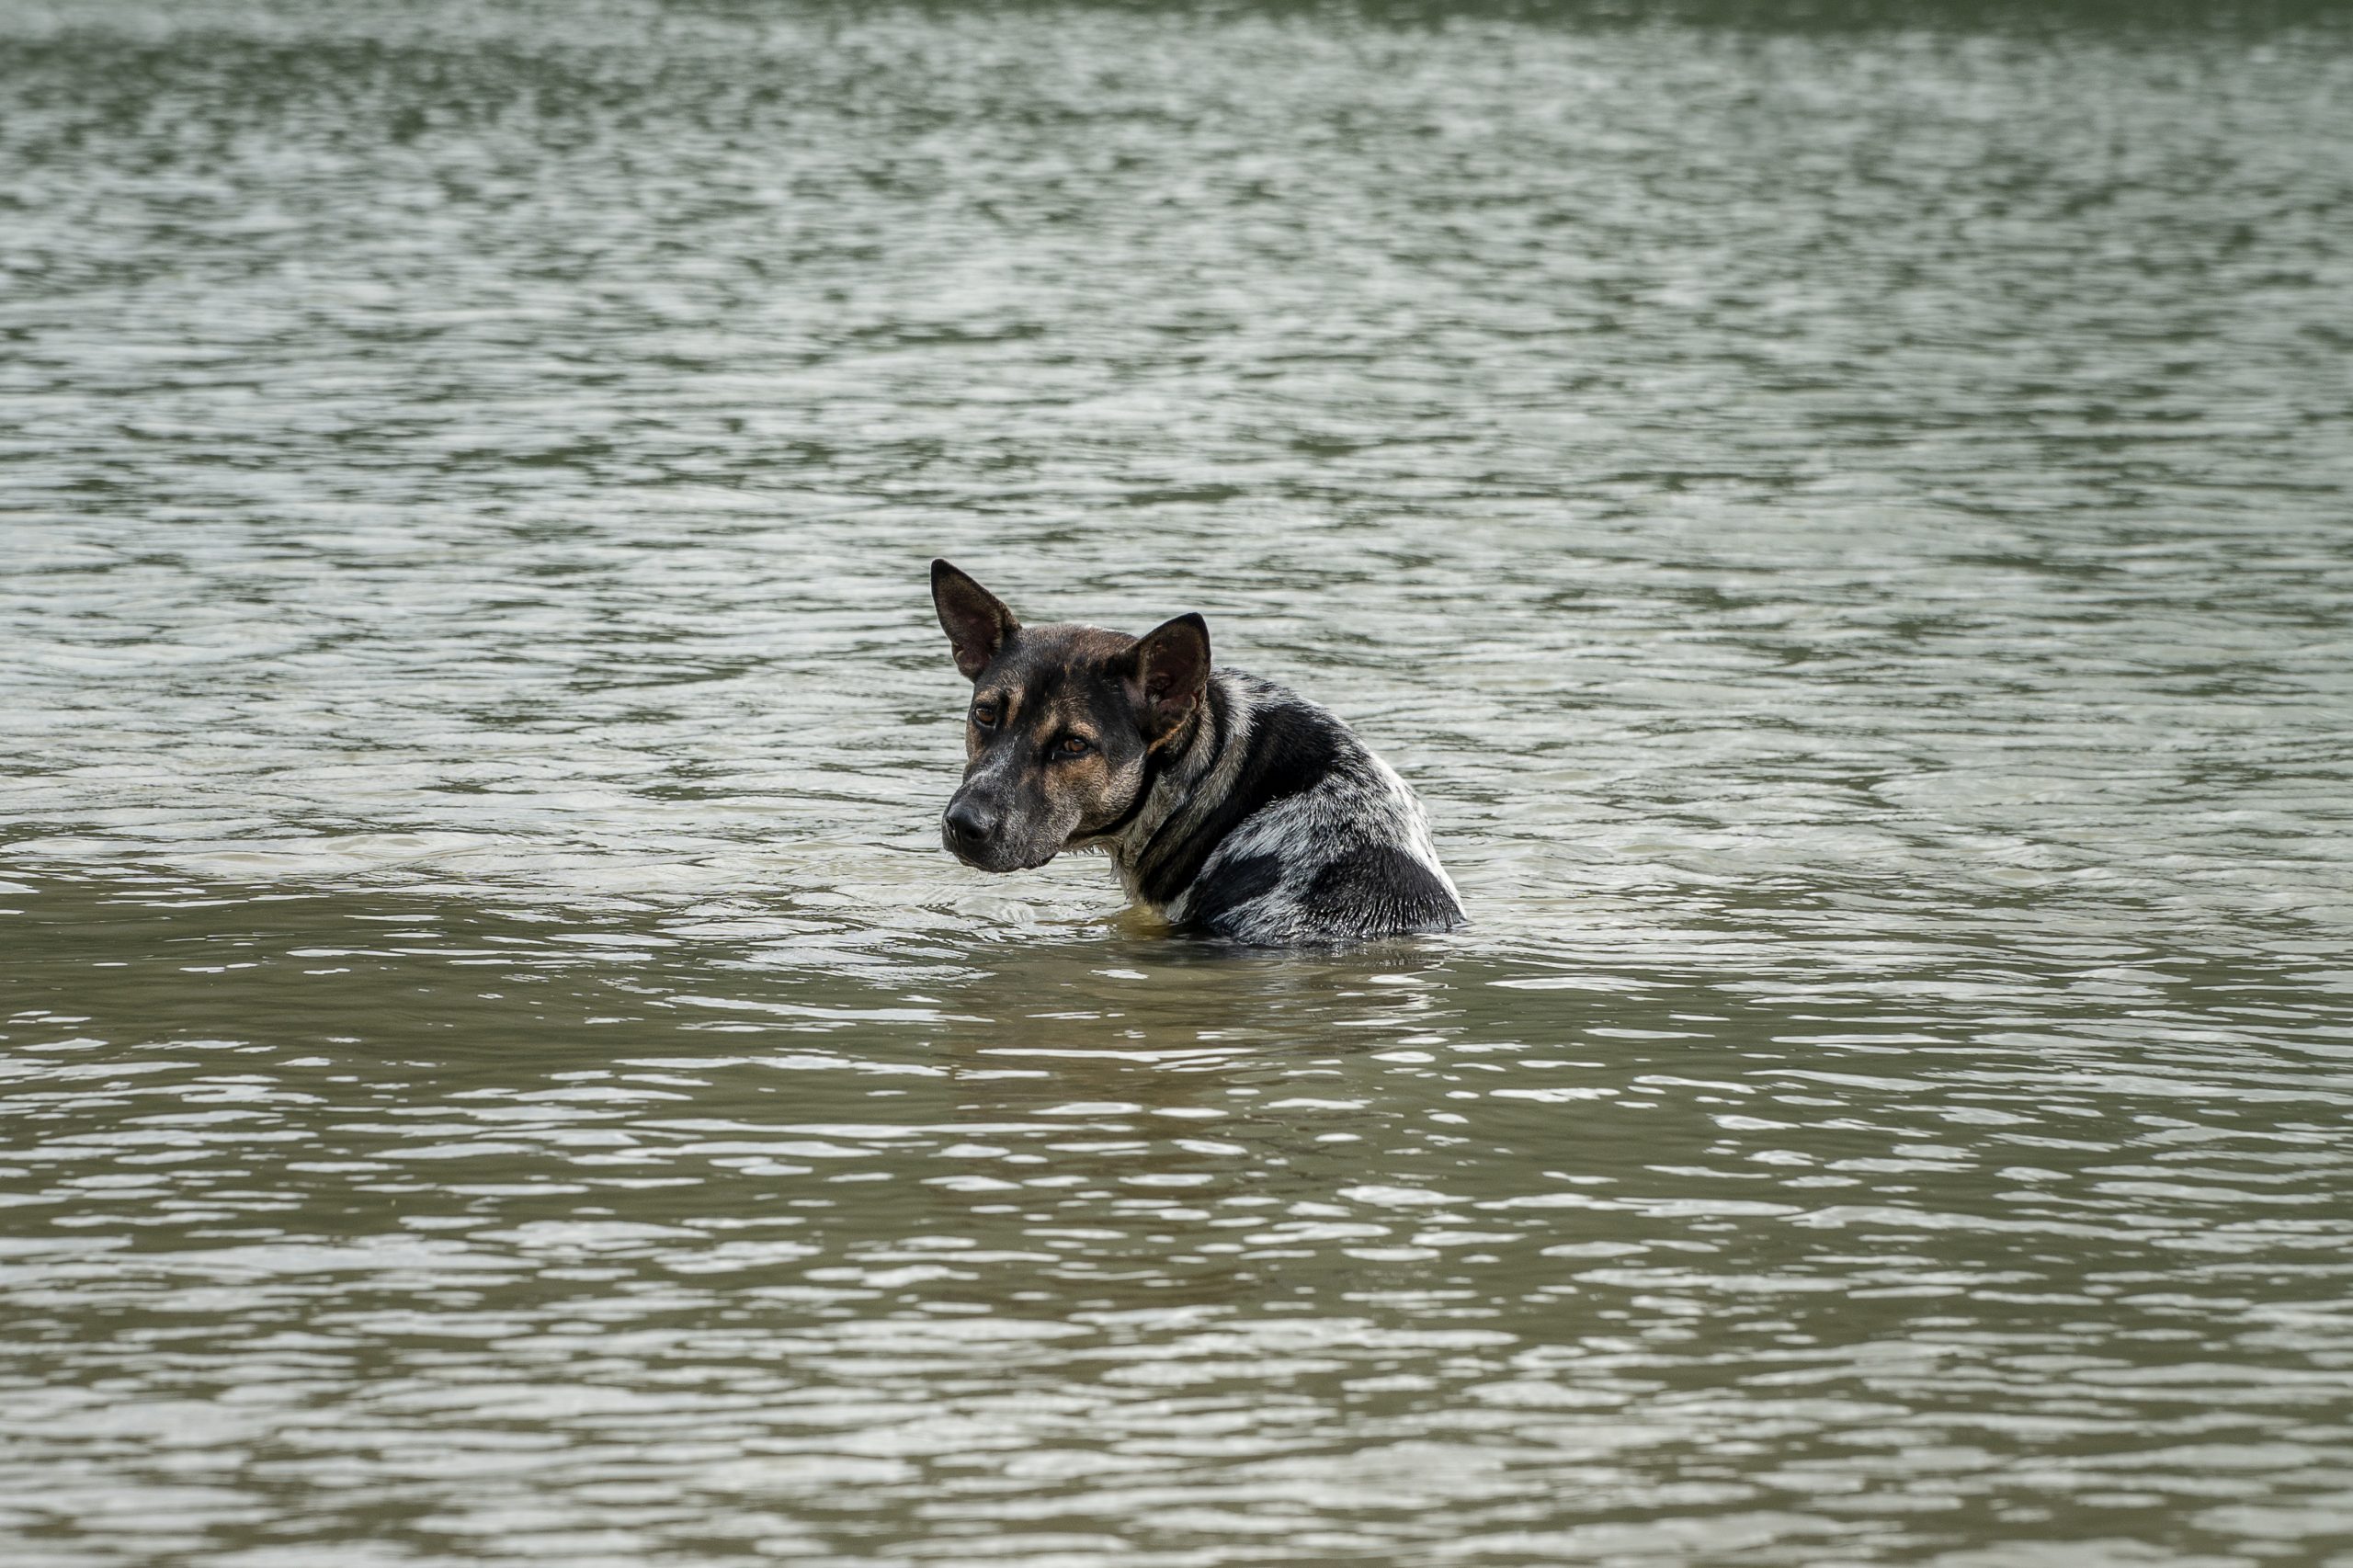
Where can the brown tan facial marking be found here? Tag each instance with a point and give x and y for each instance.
(1080, 785)
(989, 711)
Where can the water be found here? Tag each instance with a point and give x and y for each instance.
(1846, 524)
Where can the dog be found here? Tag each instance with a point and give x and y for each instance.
(1233, 807)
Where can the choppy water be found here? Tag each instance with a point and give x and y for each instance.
(1846, 527)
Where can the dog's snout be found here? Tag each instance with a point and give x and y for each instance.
(969, 825)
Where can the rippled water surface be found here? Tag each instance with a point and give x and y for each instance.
(1847, 528)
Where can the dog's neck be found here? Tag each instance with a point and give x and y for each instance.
(1182, 770)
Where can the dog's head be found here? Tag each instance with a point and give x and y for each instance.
(1062, 721)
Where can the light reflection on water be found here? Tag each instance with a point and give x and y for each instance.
(1846, 529)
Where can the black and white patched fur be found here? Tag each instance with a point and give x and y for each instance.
(1231, 806)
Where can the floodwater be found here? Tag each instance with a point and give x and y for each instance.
(1846, 525)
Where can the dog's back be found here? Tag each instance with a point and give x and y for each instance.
(1291, 832)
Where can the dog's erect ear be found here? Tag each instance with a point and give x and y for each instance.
(977, 623)
(1172, 667)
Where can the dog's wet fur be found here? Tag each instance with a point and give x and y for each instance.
(1232, 807)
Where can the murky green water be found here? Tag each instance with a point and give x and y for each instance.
(1847, 528)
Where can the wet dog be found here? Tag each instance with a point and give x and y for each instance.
(1231, 806)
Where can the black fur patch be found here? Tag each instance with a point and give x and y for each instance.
(1291, 748)
(1380, 886)
(1230, 887)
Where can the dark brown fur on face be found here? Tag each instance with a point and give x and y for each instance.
(1061, 720)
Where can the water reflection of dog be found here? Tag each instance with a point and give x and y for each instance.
(1149, 1128)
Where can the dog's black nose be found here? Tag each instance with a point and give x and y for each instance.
(969, 825)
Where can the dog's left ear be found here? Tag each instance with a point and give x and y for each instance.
(1170, 670)
(977, 623)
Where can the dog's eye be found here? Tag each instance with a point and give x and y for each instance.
(1071, 746)
(984, 715)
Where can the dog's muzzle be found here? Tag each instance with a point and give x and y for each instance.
(976, 834)
(968, 830)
